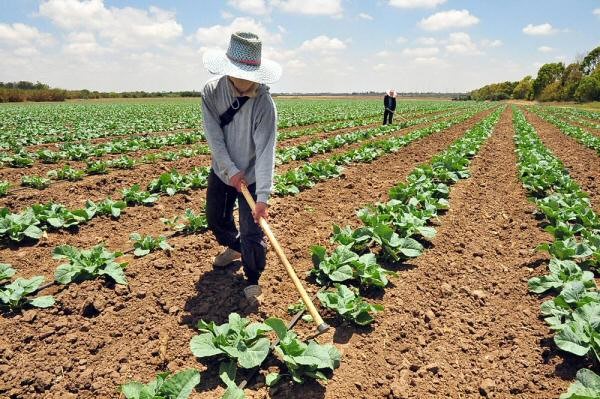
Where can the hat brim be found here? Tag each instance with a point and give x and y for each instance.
(216, 62)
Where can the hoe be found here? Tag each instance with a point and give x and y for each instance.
(321, 325)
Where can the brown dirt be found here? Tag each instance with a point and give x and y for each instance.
(582, 162)
(99, 336)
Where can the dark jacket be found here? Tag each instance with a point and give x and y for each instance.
(389, 102)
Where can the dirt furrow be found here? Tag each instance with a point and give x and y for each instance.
(582, 162)
(110, 335)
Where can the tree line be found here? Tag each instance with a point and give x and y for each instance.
(28, 91)
(579, 81)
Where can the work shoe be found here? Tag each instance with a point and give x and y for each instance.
(253, 295)
(226, 257)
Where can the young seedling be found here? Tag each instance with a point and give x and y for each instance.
(14, 295)
(145, 244)
(350, 306)
(88, 264)
(165, 386)
(239, 340)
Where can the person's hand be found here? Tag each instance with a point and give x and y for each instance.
(261, 210)
(237, 180)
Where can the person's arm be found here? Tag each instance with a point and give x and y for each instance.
(215, 138)
(265, 133)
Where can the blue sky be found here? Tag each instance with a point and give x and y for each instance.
(323, 45)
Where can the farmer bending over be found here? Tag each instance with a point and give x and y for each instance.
(240, 123)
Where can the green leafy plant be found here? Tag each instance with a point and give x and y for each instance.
(581, 336)
(349, 305)
(191, 223)
(227, 373)
(169, 183)
(574, 294)
(66, 173)
(19, 226)
(15, 295)
(36, 182)
(4, 187)
(239, 340)
(96, 168)
(165, 386)
(87, 264)
(343, 264)
(108, 207)
(586, 386)
(57, 216)
(6, 271)
(303, 360)
(561, 272)
(135, 196)
(144, 244)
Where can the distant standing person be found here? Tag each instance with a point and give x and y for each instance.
(240, 123)
(389, 102)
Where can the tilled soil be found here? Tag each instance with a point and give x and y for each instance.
(582, 162)
(457, 319)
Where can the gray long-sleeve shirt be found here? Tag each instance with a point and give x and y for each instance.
(247, 143)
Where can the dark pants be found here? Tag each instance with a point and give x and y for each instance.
(220, 201)
(387, 117)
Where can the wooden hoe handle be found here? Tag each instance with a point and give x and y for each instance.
(321, 325)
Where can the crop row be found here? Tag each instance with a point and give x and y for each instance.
(581, 135)
(573, 313)
(49, 123)
(305, 176)
(284, 155)
(567, 113)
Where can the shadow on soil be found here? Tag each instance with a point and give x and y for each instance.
(218, 293)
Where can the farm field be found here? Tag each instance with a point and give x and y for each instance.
(471, 229)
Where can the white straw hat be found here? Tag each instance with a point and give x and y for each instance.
(242, 60)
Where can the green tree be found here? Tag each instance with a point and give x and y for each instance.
(548, 73)
(524, 89)
(589, 88)
(591, 61)
(569, 82)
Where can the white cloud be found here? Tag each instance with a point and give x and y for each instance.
(421, 52)
(596, 11)
(380, 67)
(449, 19)
(539, 30)
(491, 43)
(416, 3)
(427, 60)
(383, 54)
(124, 27)
(26, 51)
(401, 40)
(218, 35)
(545, 49)
(323, 44)
(426, 41)
(461, 43)
(256, 7)
(310, 7)
(19, 34)
(83, 43)
(226, 15)
(365, 16)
